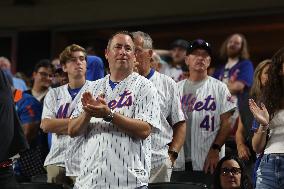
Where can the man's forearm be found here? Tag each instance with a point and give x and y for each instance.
(236, 87)
(179, 133)
(133, 127)
(240, 139)
(225, 129)
(58, 126)
(78, 126)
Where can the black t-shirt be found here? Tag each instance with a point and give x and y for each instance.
(12, 138)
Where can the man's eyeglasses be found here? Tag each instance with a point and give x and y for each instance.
(44, 74)
(234, 170)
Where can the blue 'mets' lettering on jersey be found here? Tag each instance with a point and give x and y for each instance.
(125, 99)
(63, 110)
(189, 102)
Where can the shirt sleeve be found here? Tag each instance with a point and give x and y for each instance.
(30, 111)
(49, 105)
(246, 73)
(228, 101)
(176, 113)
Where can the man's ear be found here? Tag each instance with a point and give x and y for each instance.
(33, 75)
(150, 53)
(106, 53)
(186, 60)
(64, 67)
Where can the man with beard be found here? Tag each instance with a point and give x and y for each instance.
(237, 73)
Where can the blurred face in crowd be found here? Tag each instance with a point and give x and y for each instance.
(234, 46)
(5, 64)
(178, 54)
(143, 56)
(75, 66)
(155, 62)
(264, 75)
(43, 77)
(198, 60)
(120, 54)
(230, 177)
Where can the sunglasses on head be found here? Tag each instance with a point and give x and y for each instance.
(234, 171)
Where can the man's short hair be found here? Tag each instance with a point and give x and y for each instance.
(180, 43)
(43, 63)
(117, 33)
(66, 54)
(147, 40)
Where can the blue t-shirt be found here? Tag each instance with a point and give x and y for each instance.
(95, 68)
(243, 72)
(28, 108)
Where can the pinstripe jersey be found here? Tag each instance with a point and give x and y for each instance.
(171, 111)
(113, 159)
(58, 103)
(202, 113)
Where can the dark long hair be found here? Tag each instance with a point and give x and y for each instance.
(245, 179)
(272, 95)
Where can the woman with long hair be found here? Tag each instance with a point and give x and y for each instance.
(230, 174)
(270, 116)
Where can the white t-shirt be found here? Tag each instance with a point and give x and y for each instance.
(275, 144)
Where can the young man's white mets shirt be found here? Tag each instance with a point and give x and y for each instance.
(202, 103)
(171, 113)
(65, 151)
(113, 159)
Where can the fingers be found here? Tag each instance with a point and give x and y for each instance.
(101, 100)
(263, 107)
(206, 166)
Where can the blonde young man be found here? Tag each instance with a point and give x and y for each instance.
(64, 156)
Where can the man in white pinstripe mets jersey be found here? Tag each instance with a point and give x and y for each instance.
(117, 117)
(64, 156)
(207, 105)
(167, 142)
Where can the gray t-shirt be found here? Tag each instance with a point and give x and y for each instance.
(190, 87)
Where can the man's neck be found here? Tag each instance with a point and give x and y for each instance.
(119, 76)
(76, 83)
(39, 89)
(145, 73)
(197, 76)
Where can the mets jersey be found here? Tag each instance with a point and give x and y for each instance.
(202, 103)
(58, 103)
(113, 159)
(171, 113)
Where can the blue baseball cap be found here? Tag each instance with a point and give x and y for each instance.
(199, 44)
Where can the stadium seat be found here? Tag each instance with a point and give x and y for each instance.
(31, 185)
(177, 185)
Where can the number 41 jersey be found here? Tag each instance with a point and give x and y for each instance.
(202, 103)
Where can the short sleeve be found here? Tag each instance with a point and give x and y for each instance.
(246, 73)
(49, 105)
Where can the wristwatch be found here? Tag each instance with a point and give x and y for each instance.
(109, 117)
(173, 153)
(216, 147)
